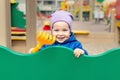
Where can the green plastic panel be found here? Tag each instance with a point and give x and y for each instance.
(59, 63)
(17, 17)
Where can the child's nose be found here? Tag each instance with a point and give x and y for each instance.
(60, 33)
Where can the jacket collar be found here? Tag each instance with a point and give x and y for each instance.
(70, 39)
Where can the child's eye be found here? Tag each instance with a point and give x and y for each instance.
(56, 30)
(65, 30)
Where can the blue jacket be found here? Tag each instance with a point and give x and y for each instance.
(71, 43)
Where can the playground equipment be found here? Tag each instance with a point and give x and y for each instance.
(18, 22)
(43, 38)
(17, 16)
(79, 10)
(117, 9)
(118, 24)
(108, 6)
(69, 4)
(118, 17)
(63, 5)
(81, 32)
(18, 34)
(46, 25)
(76, 11)
(87, 12)
(59, 63)
(12, 1)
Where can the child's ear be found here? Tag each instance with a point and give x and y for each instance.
(70, 33)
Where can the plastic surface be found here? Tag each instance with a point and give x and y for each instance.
(44, 39)
(17, 17)
(59, 63)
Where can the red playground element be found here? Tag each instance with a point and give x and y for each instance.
(46, 25)
(16, 29)
(118, 9)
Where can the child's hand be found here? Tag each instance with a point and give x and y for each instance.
(30, 50)
(78, 52)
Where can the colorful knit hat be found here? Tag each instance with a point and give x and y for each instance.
(61, 16)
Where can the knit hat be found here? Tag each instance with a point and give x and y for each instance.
(61, 16)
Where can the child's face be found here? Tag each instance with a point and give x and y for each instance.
(61, 30)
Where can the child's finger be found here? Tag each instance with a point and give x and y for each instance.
(77, 54)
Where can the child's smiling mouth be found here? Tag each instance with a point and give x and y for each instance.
(60, 38)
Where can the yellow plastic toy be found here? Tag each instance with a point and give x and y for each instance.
(44, 39)
(63, 5)
(118, 24)
(76, 11)
(12, 1)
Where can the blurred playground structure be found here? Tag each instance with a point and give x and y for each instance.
(77, 7)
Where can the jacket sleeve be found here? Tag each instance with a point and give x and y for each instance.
(43, 47)
(79, 45)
